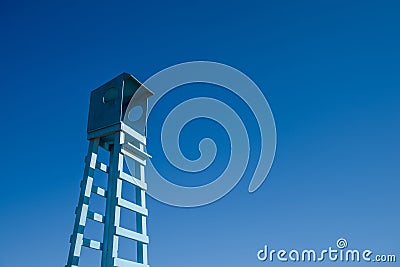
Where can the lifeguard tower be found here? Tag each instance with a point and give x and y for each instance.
(123, 140)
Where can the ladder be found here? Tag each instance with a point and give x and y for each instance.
(120, 141)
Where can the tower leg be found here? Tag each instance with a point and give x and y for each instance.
(119, 145)
(140, 219)
(110, 241)
(83, 204)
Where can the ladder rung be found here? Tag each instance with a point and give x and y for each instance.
(130, 179)
(78, 235)
(99, 191)
(132, 235)
(101, 166)
(74, 263)
(132, 154)
(125, 263)
(92, 244)
(132, 206)
(96, 216)
(137, 150)
(97, 164)
(139, 137)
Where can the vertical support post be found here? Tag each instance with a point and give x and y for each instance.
(112, 220)
(83, 204)
(140, 219)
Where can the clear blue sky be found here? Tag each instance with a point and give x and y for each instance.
(329, 69)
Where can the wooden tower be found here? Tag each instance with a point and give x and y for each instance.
(123, 139)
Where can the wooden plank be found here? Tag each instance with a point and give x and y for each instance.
(132, 180)
(133, 133)
(94, 163)
(92, 244)
(99, 191)
(101, 166)
(137, 150)
(126, 263)
(132, 155)
(120, 231)
(132, 206)
(96, 216)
